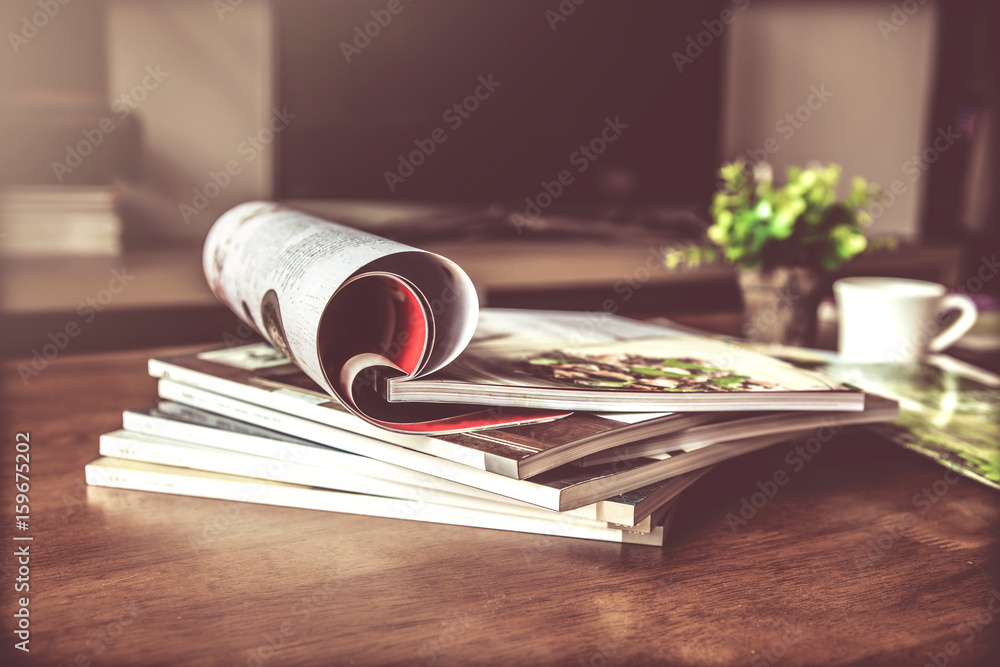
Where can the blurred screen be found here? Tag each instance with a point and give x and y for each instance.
(490, 101)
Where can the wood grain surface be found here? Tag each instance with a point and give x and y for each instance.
(846, 564)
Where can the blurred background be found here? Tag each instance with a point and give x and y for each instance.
(552, 148)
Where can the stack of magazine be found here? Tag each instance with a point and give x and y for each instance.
(383, 389)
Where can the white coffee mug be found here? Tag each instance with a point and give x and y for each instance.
(895, 320)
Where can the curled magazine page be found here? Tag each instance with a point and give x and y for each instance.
(349, 308)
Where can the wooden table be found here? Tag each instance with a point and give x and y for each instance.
(840, 566)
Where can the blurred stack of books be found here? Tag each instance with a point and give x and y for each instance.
(64, 152)
(59, 220)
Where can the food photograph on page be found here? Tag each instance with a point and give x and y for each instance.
(446, 332)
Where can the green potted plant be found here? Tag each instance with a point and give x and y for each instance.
(785, 240)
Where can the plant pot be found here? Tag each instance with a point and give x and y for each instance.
(780, 304)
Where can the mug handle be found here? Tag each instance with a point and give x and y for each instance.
(960, 326)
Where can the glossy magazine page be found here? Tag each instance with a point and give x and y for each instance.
(949, 410)
(657, 372)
